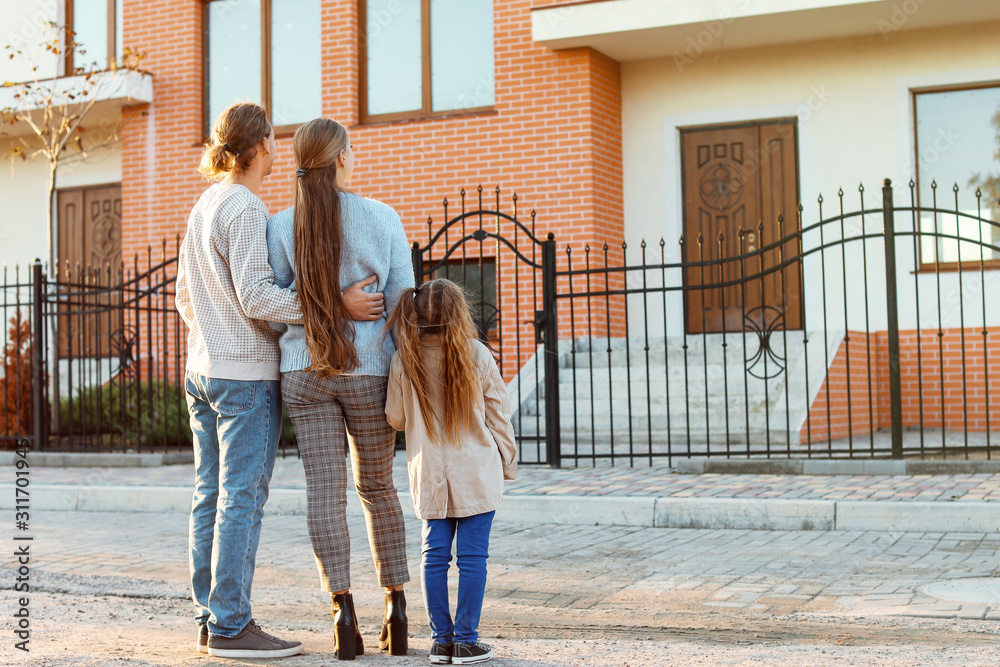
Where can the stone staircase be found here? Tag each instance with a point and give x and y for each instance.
(714, 401)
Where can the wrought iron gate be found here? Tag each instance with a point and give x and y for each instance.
(891, 358)
(509, 274)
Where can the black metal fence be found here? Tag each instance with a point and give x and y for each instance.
(105, 350)
(863, 332)
(849, 334)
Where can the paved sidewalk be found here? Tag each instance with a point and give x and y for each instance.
(110, 588)
(615, 481)
(641, 496)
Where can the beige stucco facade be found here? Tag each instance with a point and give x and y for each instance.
(852, 101)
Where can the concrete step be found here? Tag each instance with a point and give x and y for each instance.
(695, 424)
(602, 393)
(657, 392)
(617, 353)
(717, 406)
(660, 375)
(677, 439)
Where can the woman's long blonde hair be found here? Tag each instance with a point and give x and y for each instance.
(236, 135)
(439, 307)
(318, 236)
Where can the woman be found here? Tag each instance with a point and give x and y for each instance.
(334, 372)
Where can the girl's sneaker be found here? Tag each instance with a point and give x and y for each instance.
(470, 654)
(440, 654)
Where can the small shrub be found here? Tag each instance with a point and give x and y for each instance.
(17, 378)
(147, 415)
(287, 440)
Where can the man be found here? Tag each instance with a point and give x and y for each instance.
(225, 294)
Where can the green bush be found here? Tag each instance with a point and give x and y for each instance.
(146, 414)
(287, 440)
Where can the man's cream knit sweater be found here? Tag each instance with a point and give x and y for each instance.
(225, 288)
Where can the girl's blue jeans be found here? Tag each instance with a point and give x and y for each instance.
(471, 536)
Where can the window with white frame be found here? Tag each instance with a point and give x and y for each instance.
(94, 26)
(424, 58)
(267, 51)
(958, 143)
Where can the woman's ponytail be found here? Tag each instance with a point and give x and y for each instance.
(403, 323)
(317, 228)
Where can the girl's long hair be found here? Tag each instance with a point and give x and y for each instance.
(318, 237)
(439, 307)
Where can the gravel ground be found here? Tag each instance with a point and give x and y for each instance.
(85, 630)
(111, 589)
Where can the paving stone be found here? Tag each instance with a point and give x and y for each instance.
(531, 595)
(974, 611)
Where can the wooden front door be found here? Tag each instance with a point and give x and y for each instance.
(735, 179)
(89, 254)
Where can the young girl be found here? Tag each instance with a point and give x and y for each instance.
(446, 392)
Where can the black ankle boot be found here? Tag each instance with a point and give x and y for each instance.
(345, 627)
(395, 633)
(359, 645)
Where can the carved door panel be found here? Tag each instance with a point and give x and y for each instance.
(735, 179)
(89, 261)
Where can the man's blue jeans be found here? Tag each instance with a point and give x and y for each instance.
(472, 545)
(236, 425)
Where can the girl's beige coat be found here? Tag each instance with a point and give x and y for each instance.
(455, 479)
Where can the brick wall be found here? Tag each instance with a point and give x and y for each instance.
(944, 368)
(932, 391)
(554, 136)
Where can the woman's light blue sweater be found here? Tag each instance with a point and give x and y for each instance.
(373, 244)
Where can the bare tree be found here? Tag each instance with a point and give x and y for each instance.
(990, 185)
(55, 108)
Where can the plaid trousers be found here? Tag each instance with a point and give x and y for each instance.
(320, 409)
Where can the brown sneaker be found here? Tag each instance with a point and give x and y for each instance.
(252, 642)
(202, 639)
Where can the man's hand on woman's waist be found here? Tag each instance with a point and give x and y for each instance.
(363, 306)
